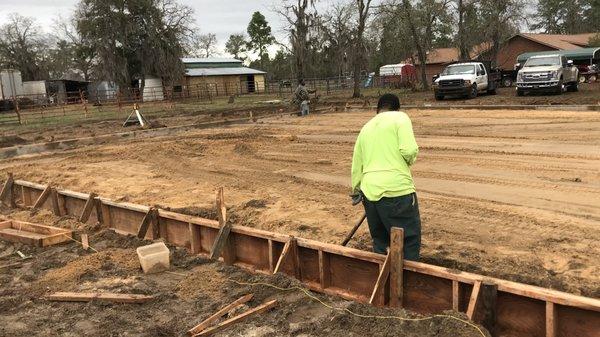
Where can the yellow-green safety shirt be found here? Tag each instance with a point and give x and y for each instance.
(384, 151)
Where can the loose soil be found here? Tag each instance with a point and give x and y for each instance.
(184, 296)
(511, 194)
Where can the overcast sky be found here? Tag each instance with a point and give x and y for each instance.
(222, 17)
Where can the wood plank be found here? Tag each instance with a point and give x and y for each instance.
(396, 267)
(43, 197)
(473, 301)
(455, 295)
(324, 271)
(194, 238)
(94, 296)
(378, 289)
(271, 256)
(489, 297)
(225, 324)
(87, 209)
(55, 204)
(100, 213)
(148, 219)
(85, 241)
(225, 227)
(284, 254)
(295, 256)
(551, 320)
(25, 196)
(223, 311)
(7, 190)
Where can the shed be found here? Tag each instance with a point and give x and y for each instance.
(220, 76)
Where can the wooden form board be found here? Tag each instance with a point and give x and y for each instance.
(351, 273)
(33, 234)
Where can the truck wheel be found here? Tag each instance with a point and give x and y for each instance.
(507, 82)
(582, 78)
(439, 97)
(573, 87)
(559, 87)
(520, 93)
(592, 78)
(473, 91)
(492, 91)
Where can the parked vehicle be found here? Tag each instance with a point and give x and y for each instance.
(588, 73)
(10, 87)
(552, 73)
(397, 75)
(466, 79)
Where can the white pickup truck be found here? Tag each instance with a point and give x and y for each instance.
(466, 79)
(547, 73)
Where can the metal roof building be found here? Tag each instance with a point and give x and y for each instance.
(222, 76)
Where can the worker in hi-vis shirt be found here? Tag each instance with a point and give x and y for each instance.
(384, 151)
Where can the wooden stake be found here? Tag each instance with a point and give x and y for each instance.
(85, 241)
(43, 197)
(284, 254)
(551, 318)
(474, 299)
(206, 323)
(148, 219)
(225, 228)
(7, 190)
(489, 295)
(54, 200)
(86, 297)
(384, 273)
(87, 209)
(221, 326)
(324, 270)
(455, 295)
(99, 213)
(396, 267)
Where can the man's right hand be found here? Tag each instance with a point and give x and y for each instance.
(356, 198)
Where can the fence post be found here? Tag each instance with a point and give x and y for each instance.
(83, 102)
(327, 85)
(16, 104)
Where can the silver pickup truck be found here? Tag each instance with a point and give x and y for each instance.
(547, 73)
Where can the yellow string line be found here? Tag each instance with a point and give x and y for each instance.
(308, 294)
(79, 242)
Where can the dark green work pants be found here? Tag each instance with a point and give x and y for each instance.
(401, 212)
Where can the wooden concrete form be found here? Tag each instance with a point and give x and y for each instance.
(520, 309)
(33, 234)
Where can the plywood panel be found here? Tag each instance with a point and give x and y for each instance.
(309, 265)
(426, 294)
(577, 322)
(521, 316)
(177, 232)
(351, 275)
(251, 250)
(207, 238)
(125, 220)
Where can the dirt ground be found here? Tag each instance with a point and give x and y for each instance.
(184, 296)
(512, 194)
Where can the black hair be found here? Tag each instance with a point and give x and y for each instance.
(389, 102)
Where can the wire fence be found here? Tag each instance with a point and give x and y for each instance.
(98, 104)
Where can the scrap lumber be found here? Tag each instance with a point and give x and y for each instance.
(384, 273)
(150, 217)
(7, 190)
(43, 197)
(455, 295)
(225, 228)
(225, 324)
(207, 322)
(87, 209)
(396, 267)
(474, 300)
(85, 241)
(93, 296)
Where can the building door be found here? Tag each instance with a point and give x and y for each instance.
(250, 83)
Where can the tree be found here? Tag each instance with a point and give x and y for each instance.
(207, 44)
(134, 39)
(300, 20)
(338, 34)
(73, 52)
(24, 47)
(561, 16)
(362, 7)
(260, 35)
(501, 19)
(236, 45)
(595, 40)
